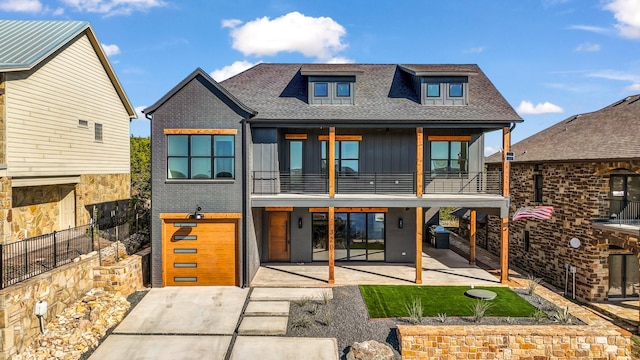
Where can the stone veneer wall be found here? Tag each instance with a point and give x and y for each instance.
(579, 193)
(60, 287)
(36, 209)
(597, 339)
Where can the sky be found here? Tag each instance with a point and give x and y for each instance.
(550, 59)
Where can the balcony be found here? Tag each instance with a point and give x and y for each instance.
(273, 182)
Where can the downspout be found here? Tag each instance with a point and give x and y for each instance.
(513, 126)
(245, 257)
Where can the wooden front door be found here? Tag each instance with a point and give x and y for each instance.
(279, 244)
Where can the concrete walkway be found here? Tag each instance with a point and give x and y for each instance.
(181, 323)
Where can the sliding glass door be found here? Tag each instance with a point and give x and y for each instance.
(357, 237)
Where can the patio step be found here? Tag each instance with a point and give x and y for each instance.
(290, 294)
(263, 325)
(267, 308)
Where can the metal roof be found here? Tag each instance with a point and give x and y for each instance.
(24, 43)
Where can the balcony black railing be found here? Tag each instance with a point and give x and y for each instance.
(272, 182)
(624, 211)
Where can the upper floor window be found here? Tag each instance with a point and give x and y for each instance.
(98, 132)
(347, 157)
(444, 90)
(449, 157)
(625, 196)
(331, 90)
(537, 190)
(200, 156)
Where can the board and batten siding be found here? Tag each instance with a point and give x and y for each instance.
(43, 108)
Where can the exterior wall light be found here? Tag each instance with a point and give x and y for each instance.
(299, 223)
(400, 223)
(197, 214)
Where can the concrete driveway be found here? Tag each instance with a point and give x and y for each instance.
(184, 323)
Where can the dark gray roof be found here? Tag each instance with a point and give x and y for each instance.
(25, 43)
(609, 133)
(383, 93)
(465, 214)
(208, 80)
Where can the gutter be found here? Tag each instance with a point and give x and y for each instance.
(245, 257)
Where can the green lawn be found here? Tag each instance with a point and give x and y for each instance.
(388, 301)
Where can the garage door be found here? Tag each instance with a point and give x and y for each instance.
(200, 252)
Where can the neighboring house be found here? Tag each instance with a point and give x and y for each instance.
(588, 168)
(64, 127)
(316, 163)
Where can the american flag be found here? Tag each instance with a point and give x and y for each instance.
(533, 212)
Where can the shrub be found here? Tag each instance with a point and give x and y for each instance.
(562, 316)
(539, 315)
(414, 308)
(532, 284)
(442, 317)
(479, 308)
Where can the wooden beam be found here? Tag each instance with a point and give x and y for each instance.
(331, 161)
(341, 137)
(449, 138)
(504, 222)
(295, 136)
(419, 226)
(279, 208)
(331, 235)
(200, 131)
(350, 210)
(419, 161)
(472, 237)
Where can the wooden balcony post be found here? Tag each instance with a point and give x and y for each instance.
(331, 236)
(472, 237)
(419, 162)
(419, 226)
(504, 222)
(331, 161)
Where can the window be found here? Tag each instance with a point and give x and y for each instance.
(347, 157)
(200, 156)
(343, 89)
(526, 241)
(444, 90)
(624, 196)
(537, 191)
(455, 90)
(321, 89)
(331, 90)
(433, 90)
(449, 156)
(98, 132)
(83, 123)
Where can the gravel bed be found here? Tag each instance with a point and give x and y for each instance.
(346, 318)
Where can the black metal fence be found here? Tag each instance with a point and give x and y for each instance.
(27, 258)
(625, 211)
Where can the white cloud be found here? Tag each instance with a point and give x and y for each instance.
(588, 47)
(475, 50)
(627, 13)
(231, 70)
(113, 7)
(58, 12)
(615, 75)
(319, 38)
(110, 50)
(490, 150)
(32, 6)
(139, 113)
(527, 108)
(340, 60)
(594, 29)
(231, 23)
(633, 87)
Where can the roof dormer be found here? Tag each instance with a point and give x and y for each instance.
(331, 85)
(440, 84)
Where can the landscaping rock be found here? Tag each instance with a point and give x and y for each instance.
(370, 350)
(78, 328)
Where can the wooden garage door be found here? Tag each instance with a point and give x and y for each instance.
(200, 252)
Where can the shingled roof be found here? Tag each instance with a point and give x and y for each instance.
(383, 93)
(610, 133)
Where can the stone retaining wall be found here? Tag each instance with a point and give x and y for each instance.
(60, 288)
(598, 339)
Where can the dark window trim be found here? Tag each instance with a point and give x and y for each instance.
(449, 160)
(433, 96)
(315, 93)
(98, 132)
(338, 93)
(461, 90)
(213, 158)
(538, 183)
(338, 160)
(527, 241)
